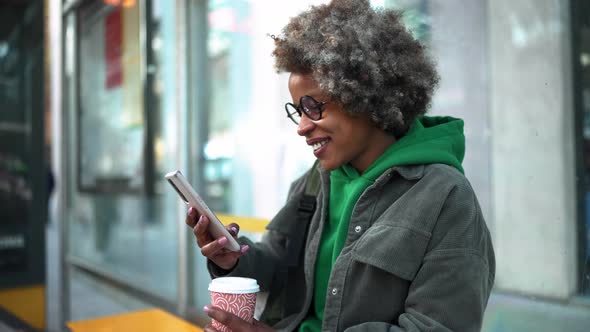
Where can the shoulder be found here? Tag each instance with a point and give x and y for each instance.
(452, 187)
(424, 195)
(439, 198)
(460, 222)
(436, 183)
(446, 173)
(449, 183)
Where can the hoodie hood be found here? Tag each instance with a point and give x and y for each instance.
(430, 140)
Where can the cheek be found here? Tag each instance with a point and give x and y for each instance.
(355, 140)
(354, 133)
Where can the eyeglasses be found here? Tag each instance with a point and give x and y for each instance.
(312, 108)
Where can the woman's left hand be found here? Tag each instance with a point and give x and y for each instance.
(235, 323)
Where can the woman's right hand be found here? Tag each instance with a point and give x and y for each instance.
(214, 249)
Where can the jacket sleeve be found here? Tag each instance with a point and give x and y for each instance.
(264, 258)
(452, 286)
(260, 262)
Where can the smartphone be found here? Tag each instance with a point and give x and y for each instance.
(191, 198)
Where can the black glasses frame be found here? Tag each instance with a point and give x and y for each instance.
(314, 112)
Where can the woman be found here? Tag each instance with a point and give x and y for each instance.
(397, 241)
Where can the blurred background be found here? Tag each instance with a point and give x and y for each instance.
(100, 98)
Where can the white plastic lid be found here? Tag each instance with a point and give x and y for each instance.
(234, 285)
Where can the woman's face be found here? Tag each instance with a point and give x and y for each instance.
(338, 137)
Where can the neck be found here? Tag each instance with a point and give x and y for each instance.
(380, 144)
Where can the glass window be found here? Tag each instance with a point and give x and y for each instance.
(253, 152)
(111, 104)
(124, 219)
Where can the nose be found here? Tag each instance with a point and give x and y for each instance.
(305, 126)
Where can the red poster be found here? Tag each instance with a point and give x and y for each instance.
(113, 48)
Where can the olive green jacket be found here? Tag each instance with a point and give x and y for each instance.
(418, 257)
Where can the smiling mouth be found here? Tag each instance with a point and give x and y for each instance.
(318, 145)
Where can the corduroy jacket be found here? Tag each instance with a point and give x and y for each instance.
(418, 257)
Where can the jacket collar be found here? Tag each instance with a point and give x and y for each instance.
(409, 172)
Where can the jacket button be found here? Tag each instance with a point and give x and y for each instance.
(334, 291)
(358, 229)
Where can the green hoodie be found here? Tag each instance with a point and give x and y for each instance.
(430, 140)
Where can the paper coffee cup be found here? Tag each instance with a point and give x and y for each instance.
(236, 295)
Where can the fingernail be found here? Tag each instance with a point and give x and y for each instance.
(244, 248)
(191, 211)
(200, 219)
(223, 241)
(234, 229)
(206, 308)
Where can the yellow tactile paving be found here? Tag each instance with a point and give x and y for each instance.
(27, 303)
(151, 320)
(254, 225)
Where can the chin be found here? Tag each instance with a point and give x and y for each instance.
(328, 166)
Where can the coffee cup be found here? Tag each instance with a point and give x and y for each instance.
(236, 295)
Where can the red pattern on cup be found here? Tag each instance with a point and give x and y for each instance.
(241, 305)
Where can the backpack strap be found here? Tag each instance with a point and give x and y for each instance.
(305, 211)
(291, 272)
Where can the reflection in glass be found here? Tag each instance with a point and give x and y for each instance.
(228, 39)
(120, 228)
(111, 99)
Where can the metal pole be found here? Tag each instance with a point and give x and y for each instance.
(55, 48)
(196, 119)
(184, 289)
(66, 108)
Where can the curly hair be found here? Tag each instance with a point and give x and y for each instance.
(364, 58)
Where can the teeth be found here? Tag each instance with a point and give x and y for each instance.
(318, 145)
